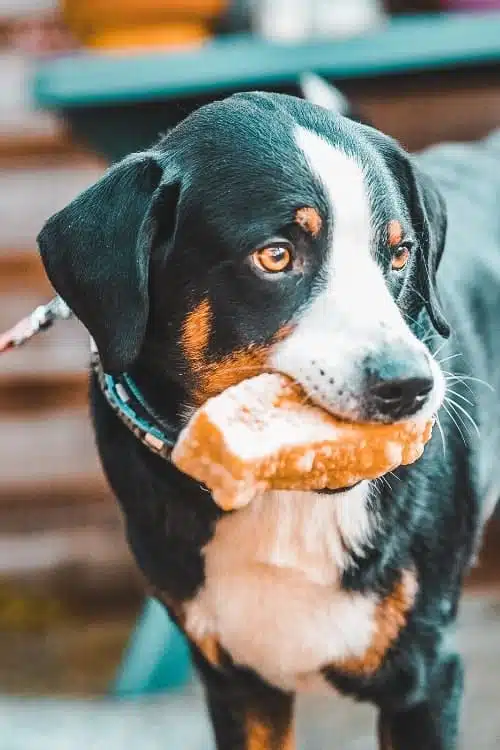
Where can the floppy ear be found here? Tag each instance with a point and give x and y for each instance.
(429, 216)
(96, 254)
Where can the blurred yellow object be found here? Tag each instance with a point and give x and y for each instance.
(23, 611)
(150, 37)
(125, 24)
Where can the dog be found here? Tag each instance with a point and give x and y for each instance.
(268, 233)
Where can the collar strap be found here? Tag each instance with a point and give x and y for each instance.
(120, 391)
(126, 400)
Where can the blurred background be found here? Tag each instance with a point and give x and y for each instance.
(82, 82)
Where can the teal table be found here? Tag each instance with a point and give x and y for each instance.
(118, 104)
(157, 658)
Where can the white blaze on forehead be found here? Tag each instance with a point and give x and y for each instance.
(343, 180)
(350, 272)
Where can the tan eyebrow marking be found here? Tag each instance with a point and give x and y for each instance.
(394, 232)
(309, 219)
(196, 332)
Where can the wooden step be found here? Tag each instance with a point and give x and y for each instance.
(22, 269)
(30, 196)
(44, 456)
(34, 150)
(53, 552)
(42, 394)
(51, 371)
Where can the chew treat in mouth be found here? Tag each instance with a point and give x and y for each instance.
(263, 434)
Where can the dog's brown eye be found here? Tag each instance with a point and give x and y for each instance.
(400, 257)
(273, 259)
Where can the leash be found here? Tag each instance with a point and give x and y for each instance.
(121, 392)
(41, 319)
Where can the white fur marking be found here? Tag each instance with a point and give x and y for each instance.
(354, 314)
(271, 594)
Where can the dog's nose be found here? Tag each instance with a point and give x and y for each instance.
(400, 389)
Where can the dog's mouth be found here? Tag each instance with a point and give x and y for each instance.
(338, 490)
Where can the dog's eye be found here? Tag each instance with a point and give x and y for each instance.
(400, 257)
(273, 259)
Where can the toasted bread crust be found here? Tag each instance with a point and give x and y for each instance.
(262, 434)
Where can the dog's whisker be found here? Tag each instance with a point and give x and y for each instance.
(440, 428)
(428, 340)
(451, 356)
(459, 395)
(467, 427)
(385, 481)
(392, 474)
(426, 267)
(458, 381)
(463, 378)
(434, 354)
(461, 409)
(416, 322)
(455, 423)
(417, 293)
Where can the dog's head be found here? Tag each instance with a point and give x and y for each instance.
(262, 233)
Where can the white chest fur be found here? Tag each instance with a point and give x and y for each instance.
(271, 595)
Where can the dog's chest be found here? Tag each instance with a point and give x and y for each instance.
(272, 595)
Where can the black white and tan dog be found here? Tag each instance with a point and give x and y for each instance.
(268, 233)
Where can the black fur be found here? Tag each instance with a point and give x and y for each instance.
(168, 228)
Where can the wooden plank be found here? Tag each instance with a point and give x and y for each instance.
(30, 196)
(29, 393)
(49, 454)
(22, 269)
(78, 504)
(40, 149)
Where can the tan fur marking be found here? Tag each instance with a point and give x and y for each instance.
(260, 736)
(309, 219)
(215, 377)
(394, 232)
(289, 739)
(208, 645)
(210, 649)
(195, 334)
(390, 619)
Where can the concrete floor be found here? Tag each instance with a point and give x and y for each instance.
(179, 723)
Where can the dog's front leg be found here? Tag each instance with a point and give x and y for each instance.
(432, 724)
(246, 713)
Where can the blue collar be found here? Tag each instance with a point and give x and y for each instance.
(130, 406)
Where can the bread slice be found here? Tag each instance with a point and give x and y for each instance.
(264, 434)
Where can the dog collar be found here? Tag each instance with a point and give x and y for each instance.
(130, 406)
(120, 391)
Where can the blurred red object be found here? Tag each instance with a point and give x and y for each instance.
(41, 36)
